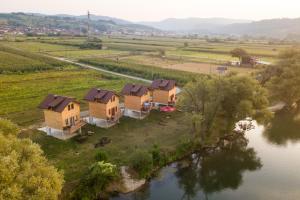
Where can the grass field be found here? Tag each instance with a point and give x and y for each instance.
(165, 130)
(20, 94)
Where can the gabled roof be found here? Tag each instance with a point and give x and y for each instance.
(56, 103)
(99, 95)
(135, 90)
(162, 84)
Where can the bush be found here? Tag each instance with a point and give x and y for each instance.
(98, 177)
(159, 158)
(183, 148)
(142, 163)
(101, 156)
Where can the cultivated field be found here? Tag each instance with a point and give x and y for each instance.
(20, 94)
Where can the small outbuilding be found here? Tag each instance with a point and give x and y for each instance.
(163, 92)
(137, 102)
(104, 107)
(62, 116)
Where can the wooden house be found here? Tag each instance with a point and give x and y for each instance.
(62, 116)
(136, 99)
(104, 106)
(163, 92)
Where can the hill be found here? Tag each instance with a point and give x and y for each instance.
(69, 24)
(197, 25)
(276, 28)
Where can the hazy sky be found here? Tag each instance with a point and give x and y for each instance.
(153, 10)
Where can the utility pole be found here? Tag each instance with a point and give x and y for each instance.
(88, 25)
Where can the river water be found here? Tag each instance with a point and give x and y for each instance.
(267, 168)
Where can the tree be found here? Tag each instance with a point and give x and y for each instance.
(210, 100)
(284, 85)
(238, 53)
(24, 171)
(99, 175)
(142, 163)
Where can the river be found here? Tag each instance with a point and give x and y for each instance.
(267, 168)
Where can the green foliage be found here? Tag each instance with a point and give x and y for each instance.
(238, 53)
(183, 148)
(101, 156)
(24, 171)
(142, 163)
(98, 177)
(8, 128)
(229, 99)
(284, 84)
(159, 158)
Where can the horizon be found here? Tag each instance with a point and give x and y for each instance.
(142, 10)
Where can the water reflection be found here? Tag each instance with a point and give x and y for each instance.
(283, 130)
(199, 176)
(223, 170)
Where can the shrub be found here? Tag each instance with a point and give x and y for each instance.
(142, 163)
(101, 156)
(159, 158)
(184, 147)
(98, 177)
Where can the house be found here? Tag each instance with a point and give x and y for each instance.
(163, 92)
(137, 102)
(104, 107)
(62, 116)
(222, 69)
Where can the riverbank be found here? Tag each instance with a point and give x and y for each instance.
(267, 168)
(131, 184)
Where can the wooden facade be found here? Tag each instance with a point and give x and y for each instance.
(163, 91)
(62, 114)
(136, 103)
(108, 111)
(136, 97)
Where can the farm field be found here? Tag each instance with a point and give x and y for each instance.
(20, 94)
(191, 55)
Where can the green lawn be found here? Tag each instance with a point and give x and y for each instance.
(165, 130)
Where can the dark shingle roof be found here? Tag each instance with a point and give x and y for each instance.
(98, 95)
(56, 103)
(163, 84)
(135, 90)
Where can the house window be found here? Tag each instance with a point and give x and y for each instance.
(109, 111)
(114, 98)
(67, 122)
(72, 106)
(69, 107)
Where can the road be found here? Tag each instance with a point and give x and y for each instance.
(178, 90)
(102, 70)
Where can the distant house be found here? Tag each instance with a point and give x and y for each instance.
(62, 116)
(163, 91)
(249, 61)
(222, 69)
(104, 107)
(136, 100)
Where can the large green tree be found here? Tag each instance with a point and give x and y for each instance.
(284, 85)
(24, 171)
(238, 53)
(213, 103)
